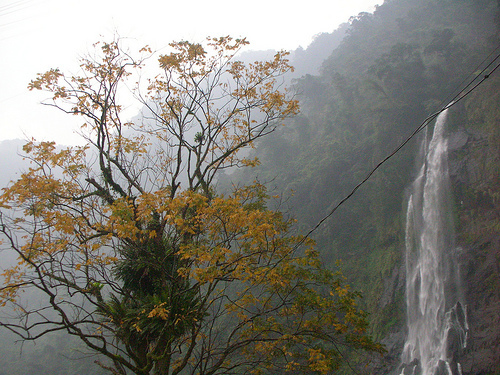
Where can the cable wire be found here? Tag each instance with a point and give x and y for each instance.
(463, 93)
(448, 99)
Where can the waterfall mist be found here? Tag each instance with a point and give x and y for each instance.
(437, 324)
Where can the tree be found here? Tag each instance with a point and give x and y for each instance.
(133, 249)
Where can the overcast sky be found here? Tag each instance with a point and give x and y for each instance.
(36, 35)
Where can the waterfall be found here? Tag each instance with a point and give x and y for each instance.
(437, 321)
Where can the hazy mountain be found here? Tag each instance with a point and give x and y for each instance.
(364, 88)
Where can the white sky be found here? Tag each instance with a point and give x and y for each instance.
(36, 35)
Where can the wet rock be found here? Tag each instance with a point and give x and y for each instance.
(412, 368)
(458, 331)
(442, 368)
(475, 187)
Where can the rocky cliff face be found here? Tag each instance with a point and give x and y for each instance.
(474, 162)
(481, 273)
(475, 167)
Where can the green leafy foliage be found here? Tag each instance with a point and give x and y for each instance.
(392, 69)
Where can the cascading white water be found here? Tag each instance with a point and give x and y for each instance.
(432, 282)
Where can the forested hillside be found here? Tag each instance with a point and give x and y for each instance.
(363, 90)
(393, 69)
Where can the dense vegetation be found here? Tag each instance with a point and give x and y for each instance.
(126, 244)
(391, 70)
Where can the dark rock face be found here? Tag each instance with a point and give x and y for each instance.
(412, 368)
(478, 234)
(442, 369)
(474, 160)
(456, 338)
(483, 296)
(390, 363)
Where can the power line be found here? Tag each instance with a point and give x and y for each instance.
(464, 92)
(15, 14)
(448, 99)
(15, 6)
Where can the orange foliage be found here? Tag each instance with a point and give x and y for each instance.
(137, 253)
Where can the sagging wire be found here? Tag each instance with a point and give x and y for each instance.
(464, 92)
